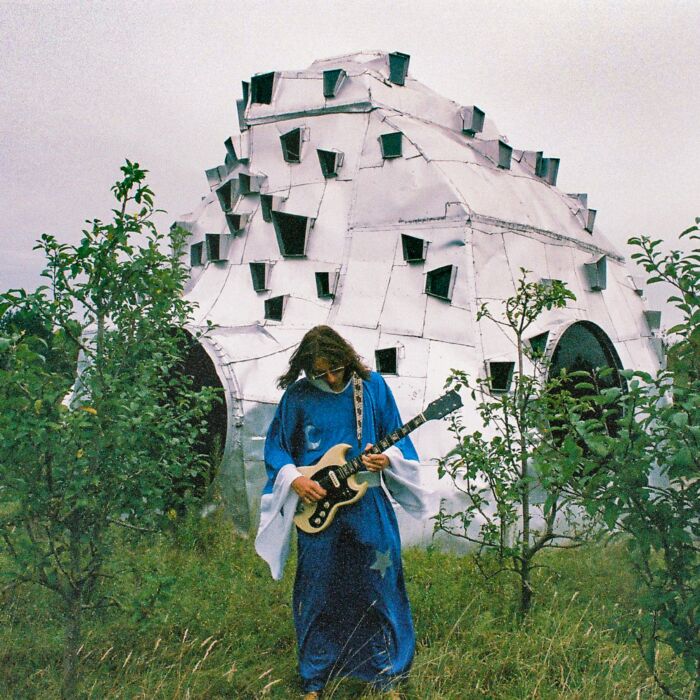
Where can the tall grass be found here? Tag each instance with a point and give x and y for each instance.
(197, 615)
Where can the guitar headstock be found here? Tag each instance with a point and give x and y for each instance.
(441, 407)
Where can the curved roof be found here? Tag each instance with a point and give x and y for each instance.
(478, 205)
(448, 172)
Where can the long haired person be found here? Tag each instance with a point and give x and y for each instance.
(351, 612)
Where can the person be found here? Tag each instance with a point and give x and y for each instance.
(350, 608)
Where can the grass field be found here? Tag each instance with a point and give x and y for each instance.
(200, 617)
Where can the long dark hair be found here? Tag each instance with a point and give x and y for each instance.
(323, 341)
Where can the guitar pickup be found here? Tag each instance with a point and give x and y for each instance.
(334, 479)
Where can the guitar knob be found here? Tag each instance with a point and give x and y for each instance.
(323, 513)
(326, 504)
(317, 521)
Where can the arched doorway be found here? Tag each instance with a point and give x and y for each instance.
(198, 366)
(584, 346)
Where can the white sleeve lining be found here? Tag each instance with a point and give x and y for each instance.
(277, 511)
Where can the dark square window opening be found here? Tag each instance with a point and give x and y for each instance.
(538, 344)
(225, 195)
(261, 88)
(291, 146)
(291, 233)
(391, 144)
(553, 171)
(413, 248)
(590, 220)
(236, 222)
(230, 150)
(266, 207)
(330, 162)
(386, 360)
(540, 166)
(245, 183)
(196, 251)
(653, 319)
(323, 285)
(505, 153)
(258, 272)
(548, 169)
(501, 376)
(597, 275)
(398, 67)
(439, 282)
(473, 120)
(213, 246)
(332, 80)
(274, 308)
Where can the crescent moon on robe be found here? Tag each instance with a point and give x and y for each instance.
(309, 444)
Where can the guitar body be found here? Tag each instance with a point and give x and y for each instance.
(316, 517)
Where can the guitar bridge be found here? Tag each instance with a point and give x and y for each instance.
(334, 479)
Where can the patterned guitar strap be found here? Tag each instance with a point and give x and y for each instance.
(357, 396)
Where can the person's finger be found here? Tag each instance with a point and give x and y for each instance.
(317, 490)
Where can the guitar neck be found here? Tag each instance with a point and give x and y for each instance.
(355, 465)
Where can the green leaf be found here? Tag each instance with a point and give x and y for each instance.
(680, 419)
(683, 459)
(650, 653)
(611, 513)
(598, 445)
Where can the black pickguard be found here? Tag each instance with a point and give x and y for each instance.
(334, 495)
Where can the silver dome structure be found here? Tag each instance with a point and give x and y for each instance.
(357, 197)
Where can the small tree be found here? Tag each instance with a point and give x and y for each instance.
(55, 346)
(510, 512)
(69, 473)
(644, 481)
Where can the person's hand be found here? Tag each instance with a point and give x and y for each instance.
(374, 463)
(308, 490)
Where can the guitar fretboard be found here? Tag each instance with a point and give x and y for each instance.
(355, 465)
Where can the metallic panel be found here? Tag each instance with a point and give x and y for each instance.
(404, 307)
(421, 194)
(363, 293)
(449, 323)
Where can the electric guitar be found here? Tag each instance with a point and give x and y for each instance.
(336, 475)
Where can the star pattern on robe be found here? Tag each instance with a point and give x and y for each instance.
(382, 561)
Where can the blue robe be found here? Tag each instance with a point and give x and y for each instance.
(351, 611)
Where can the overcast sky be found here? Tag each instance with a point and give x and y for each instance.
(611, 88)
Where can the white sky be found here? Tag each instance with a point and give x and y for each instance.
(612, 88)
